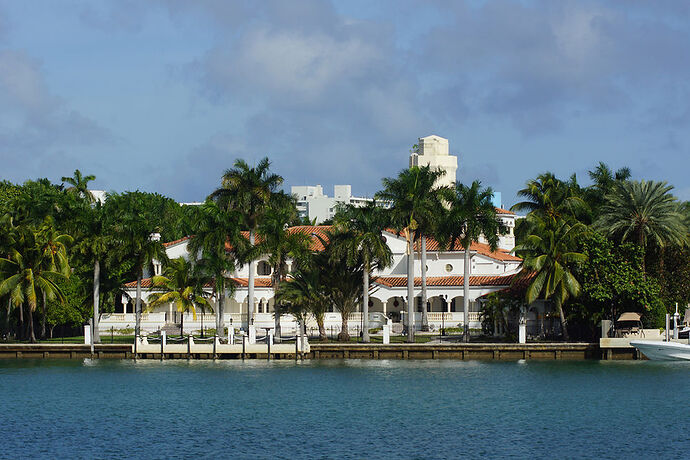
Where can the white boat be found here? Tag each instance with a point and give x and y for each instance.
(663, 351)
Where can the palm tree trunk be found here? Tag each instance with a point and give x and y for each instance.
(7, 318)
(181, 324)
(96, 299)
(137, 307)
(425, 313)
(344, 335)
(564, 325)
(43, 317)
(410, 288)
(32, 335)
(250, 287)
(466, 295)
(365, 304)
(220, 312)
(20, 329)
(322, 329)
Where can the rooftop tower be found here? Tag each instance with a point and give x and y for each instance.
(433, 151)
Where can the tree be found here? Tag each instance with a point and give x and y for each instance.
(415, 206)
(94, 243)
(551, 198)
(31, 270)
(135, 237)
(79, 185)
(362, 244)
(304, 291)
(281, 244)
(550, 251)
(642, 212)
(604, 179)
(471, 215)
(214, 246)
(180, 287)
(249, 191)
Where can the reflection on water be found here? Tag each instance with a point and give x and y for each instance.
(342, 408)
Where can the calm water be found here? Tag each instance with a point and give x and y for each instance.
(343, 409)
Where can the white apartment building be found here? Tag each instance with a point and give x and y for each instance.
(313, 204)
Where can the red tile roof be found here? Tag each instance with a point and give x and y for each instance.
(147, 283)
(504, 211)
(173, 243)
(314, 231)
(401, 281)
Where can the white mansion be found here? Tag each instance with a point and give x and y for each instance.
(490, 271)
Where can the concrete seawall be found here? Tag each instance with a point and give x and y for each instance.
(472, 351)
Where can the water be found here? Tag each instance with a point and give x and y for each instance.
(343, 409)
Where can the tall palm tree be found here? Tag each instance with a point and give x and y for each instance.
(471, 215)
(415, 206)
(179, 286)
(133, 235)
(603, 180)
(281, 244)
(550, 251)
(363, 243)
(642, 212)
(249, 191)
(215, 245)
(94, 242)
(79, 185)
(29, 271)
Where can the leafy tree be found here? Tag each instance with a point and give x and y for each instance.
(249, 191)
(612, 283)
(471, 215)
(303, 291)
(604, 179)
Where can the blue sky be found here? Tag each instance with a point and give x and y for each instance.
(165, 95)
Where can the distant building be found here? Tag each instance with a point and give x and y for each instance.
(433, 151)
(313, 204)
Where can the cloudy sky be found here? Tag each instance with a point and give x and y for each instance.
(165, 95)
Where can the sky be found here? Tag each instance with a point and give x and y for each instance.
(164, 95)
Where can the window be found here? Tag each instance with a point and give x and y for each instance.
(449, 268)
(263, 269)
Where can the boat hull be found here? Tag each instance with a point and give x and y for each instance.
(663, 351)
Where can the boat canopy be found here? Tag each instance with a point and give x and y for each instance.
(629, 316)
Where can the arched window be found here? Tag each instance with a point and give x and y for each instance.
(263, 268)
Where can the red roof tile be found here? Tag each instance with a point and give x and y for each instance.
(173, 243)
(504, 211)
(401, 281)
(147, 283)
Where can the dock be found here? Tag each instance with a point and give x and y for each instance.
(460, 351)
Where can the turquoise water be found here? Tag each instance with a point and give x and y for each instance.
(343, 409)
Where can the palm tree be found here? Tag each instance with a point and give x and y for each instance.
(642, 211)
(549, 197)
(135, 238)
(415, 206)
(249, 191)
(470, 216)
(215, 245)
(304, 290)
(53, 245)
(550, 252)
(363, 244)
(281, 244)
(29, 271)
(180, 287)
(94, 243)
(79, 185)
(603, 181)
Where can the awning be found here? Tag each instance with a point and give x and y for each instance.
(629, 316)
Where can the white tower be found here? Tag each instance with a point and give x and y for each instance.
(433, 152)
